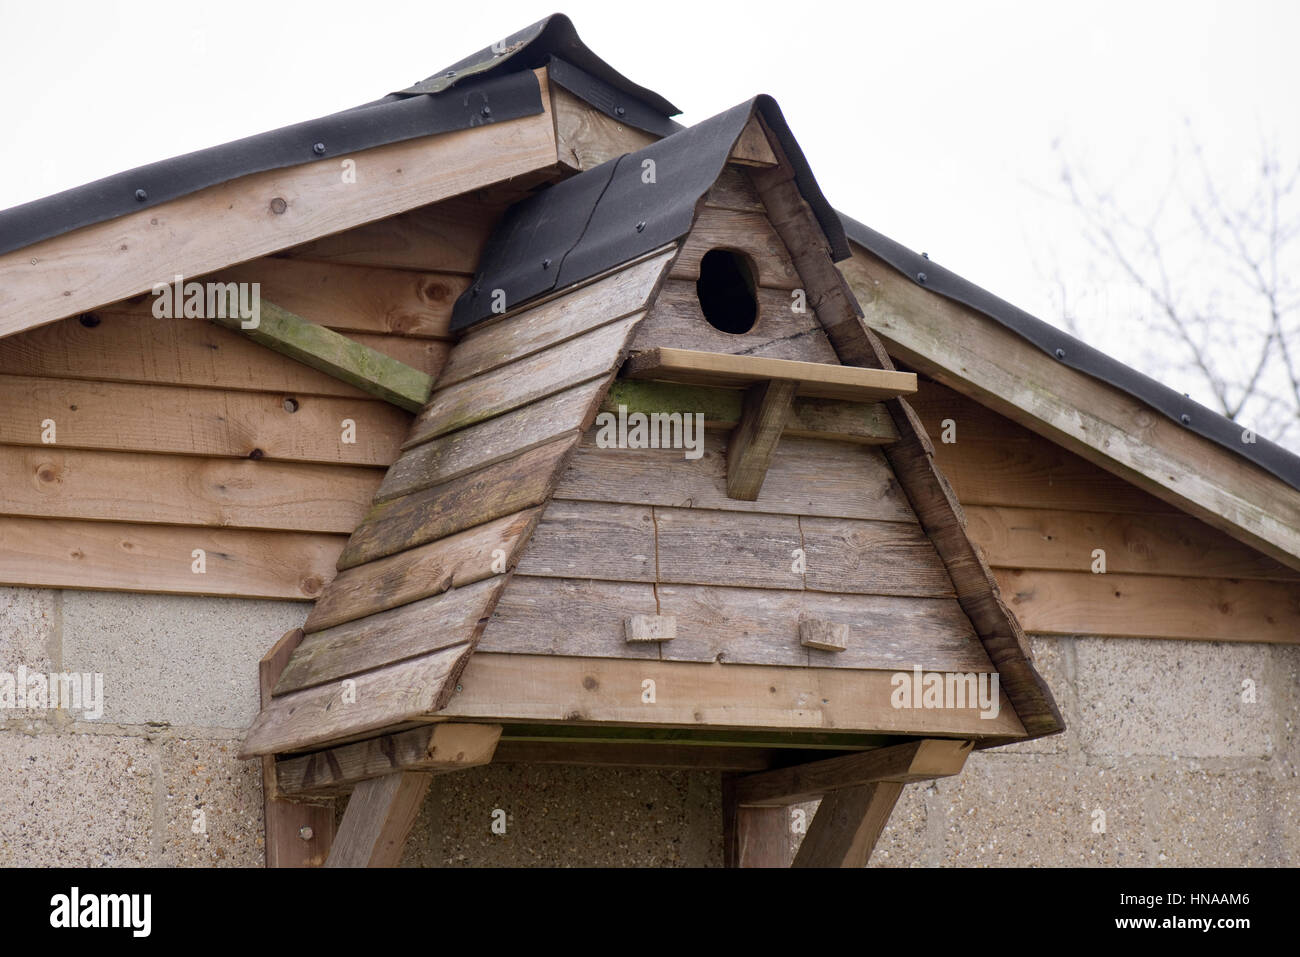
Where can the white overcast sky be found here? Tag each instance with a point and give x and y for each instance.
(931, 122)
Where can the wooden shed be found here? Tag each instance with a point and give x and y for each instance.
(594, 439)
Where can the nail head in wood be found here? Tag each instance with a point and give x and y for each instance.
(823, 635)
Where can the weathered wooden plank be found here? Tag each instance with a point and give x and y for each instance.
(427, 355)
(865, 423)
(1175, 545)
(587, 137)
(814, 379)
(872, 558)
(117, 556)
(378, 819)
(448, 236)
(592, 540)
(751, 445)
(408, 631)
(374, 701)
(900, 764)
(115, 348)
(452, 562)
(967, 352)
(520, 383)
(636, 755)
(676, 320)
(52, 482)
(435, 748)
(637, 628)
(584, 617)
(546, 616)
(141, 418)
(1153, 606)
(705, 547)
(487, 443)
(847, 825)
(823, 635)
(733, 190)
(555, 321)
(502, 489)
(752, 147)
(325, 350)
(806, 477)
(750, 233)
(195, 234)
(585, 690)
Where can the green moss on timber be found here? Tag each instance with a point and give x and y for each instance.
(721, 407)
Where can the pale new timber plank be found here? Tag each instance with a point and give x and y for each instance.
(378, 819)
(1175, 545)
(298, 834)
(585, 690)
(520, 383)
(159, 351)
(1153, 606)
(966, 351)
(57, 553)
(813, 378)
(373, 372)
(900, 764)
(806, 477)
(677, 321)
(750, 233)
(234, 221)
(847, 825)
(502, 489)
(455, 561)
(751, 446)
(139, 418)
(586, 137)
(52, 482)
(436, 748)
(442, 237)
(487, 443)
(617, 295)
(408, 631)
(374, 701)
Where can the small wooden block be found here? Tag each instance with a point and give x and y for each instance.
(650, 627)
(823, 635)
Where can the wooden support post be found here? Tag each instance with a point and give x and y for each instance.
(847, 824)
(297, 834)
(334, 354)
(749, 451)
(378, 819)
(753, 836)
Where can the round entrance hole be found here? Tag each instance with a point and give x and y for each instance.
(726, 290)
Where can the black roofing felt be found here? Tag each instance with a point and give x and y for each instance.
(491, 99)
(1079, 356)
(617, 211)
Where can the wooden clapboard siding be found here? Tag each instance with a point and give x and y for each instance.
(734, 190)
(687, 694)
(408, 631)
(454, 561)
(502, 489)
(1153, 606)
(749, 233)
(487, 443)
(140, 418)
(554, 321)
(584, 617)
(677, 321)
(204, 231)
(520, 383)
(59, 553)
(442, 237)
(1158, 544)
(53, 482)
(806, 477)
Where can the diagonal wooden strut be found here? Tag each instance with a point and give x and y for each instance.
(749, 451)
(847, 825)
(378, 819)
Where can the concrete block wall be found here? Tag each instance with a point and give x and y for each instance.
(1160, 740)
